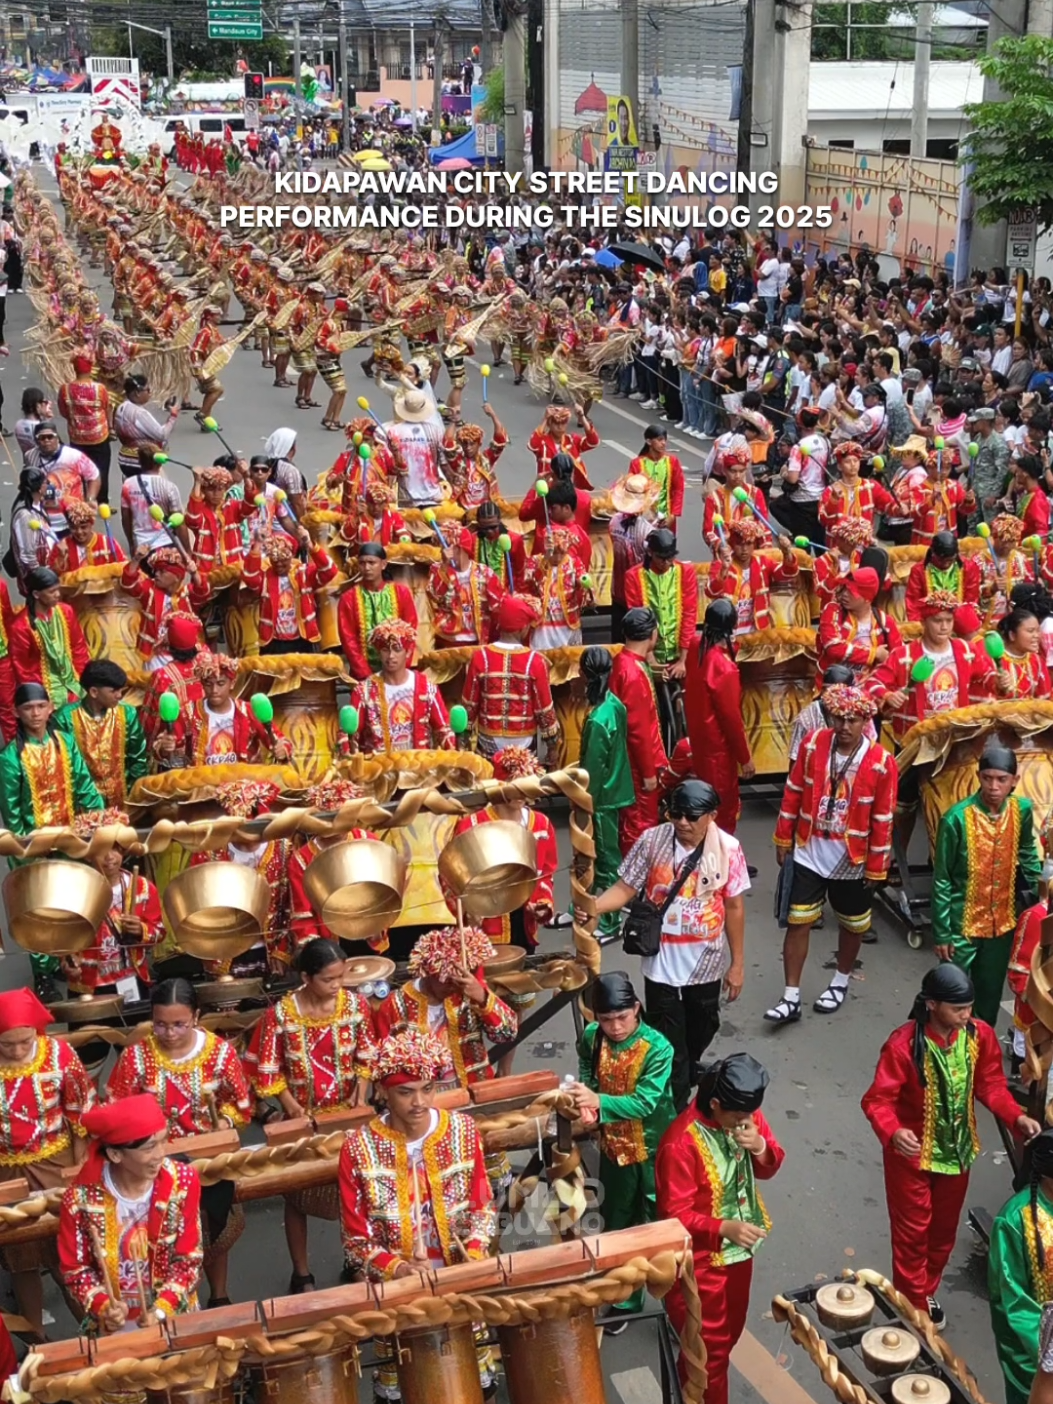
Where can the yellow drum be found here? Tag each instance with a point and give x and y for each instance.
(777, 667)
(240, 612)
(302, 688)
(107, 614)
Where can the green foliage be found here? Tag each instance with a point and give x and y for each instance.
(1010, 147)
(195, 57)
(493, 107)
(872, 40)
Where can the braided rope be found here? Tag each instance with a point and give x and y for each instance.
(805, 1333)
(341, 1331)
(692, 1346)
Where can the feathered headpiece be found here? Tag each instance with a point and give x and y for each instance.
(439, 953)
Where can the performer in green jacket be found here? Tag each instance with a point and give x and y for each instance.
(107, 731)
(605, 755)
(1020, 1272)
(985, 850)
(44, 781)
(623, 1071)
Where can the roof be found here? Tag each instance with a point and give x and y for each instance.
(864, 90)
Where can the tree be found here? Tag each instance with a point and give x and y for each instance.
(493, 108)
(871, 36)
(1010, 147)
(193, 51)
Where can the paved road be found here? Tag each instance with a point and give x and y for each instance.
(827, 1205)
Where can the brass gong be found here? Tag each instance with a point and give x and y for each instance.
(491, 867)
(55, 907)
(217, 910)
(356, 887)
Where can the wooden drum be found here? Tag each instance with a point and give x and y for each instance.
(438, 1363)
(222, 1392)
(110, 620)
(322, 1379)
(550, 1360)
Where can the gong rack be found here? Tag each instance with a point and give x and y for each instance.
(541, 1303)
(837, 1351)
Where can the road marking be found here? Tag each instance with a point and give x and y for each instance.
(681, 445)
(758, 1367)
(614, 444)
(638, 1386)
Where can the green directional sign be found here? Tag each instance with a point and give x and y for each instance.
(234, 17)
(222, 30)
(246, 5)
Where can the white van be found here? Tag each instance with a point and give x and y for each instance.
(209, 124)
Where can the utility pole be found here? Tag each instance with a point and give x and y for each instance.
(1040, 18)
(413, 76)
(486, 57)
(535, 55)
(631, 57)
(744, 154)
(436, 83)
(515, 85)
(297, 58)
(919, 122)
(344, 80)
(168, 53)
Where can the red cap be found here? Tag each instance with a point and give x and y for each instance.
(183, 631)
(83, 365)
(119, 1124)
(864, 582)
(20, 1009)
(516, 612)
(464, 538)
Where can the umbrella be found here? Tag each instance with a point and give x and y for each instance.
(639, 253)
(384, 102)
(377, 165)
(455, 163)
(403, 121)
(367, 156)
(607, 260)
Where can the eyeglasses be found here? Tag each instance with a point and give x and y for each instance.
(42, 437)
(172, 1028)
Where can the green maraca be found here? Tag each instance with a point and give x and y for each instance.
(458, 720)
(923, 669)
(262, 708)
(974, 450)
(994, 647)
(168, 708)
(348, 720)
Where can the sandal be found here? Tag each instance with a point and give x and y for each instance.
(301, 403)
(831, 999)
(300, 1283)
(785, 1012)
(312, 404)
(333, 428)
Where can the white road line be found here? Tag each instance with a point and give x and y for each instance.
(620, 448)
(639, 1386)
(681, 445)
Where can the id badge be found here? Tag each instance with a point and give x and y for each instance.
(672, 921)
(128, 989)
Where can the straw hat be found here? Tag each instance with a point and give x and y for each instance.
(635, 493)
(412, 407)
(915, 444)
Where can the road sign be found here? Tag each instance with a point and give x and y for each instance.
(646, 160)
(251, 7)
(234, 31)
(234, 17)
(251, 109)
(491, 138)
(480, 138)
(1023, 236)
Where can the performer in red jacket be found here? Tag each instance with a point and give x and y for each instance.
(852, 631)
(944, 569)
(922, 1106)
(705, 1175)
(674, 601)
(746, 579)
(216, 520)
(287, 590)
(722, 502)
(853, 496)
(371, 602)
(631, 681)
(551, 438)
(45, 641)
(836, 823)
(713, 705)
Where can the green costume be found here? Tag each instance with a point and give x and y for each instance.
(661, 591)
(128, 745)
(52, 789)
(979, 857)
(605, 755)
(636, 1109)
(1017, 1288)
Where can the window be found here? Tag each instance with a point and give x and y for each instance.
(846, 145)
(210, 124)
(896, 148)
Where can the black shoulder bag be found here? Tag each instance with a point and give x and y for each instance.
(642, 930)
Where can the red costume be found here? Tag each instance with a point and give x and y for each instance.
(417, 723)
(721, 503)
(839, 640)
(922, 580)
(580, 544)
(178, 677)
(864, 498)
(190, 1091)
(465, 1027)
(358, 614)
(320, 1063)
(749, 588)
(532, 508)
(1026, 941)
(690, 1188)
(247, 741)
(217, 532)
(111, 957)
(463, 609)
(934, 505)
(925, 1204)
(637, 594)
(158, 607)
(947, 688)
(718, 743)
(67, 555)
(1032, 509)
(544, 447)
(508, 697)
(28, 658)
(631, 681)
(288, 607)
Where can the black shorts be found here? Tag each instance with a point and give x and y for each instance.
(849, 900)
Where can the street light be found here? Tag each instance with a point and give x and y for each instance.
(165, 34)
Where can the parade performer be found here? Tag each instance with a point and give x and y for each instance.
(208, 339)
(551, 437)
(846, 540)
(451, 1001)
(535, 508)
(130, 1222)
(1002, 568)
(380, 522)
(305, 925)
(177, 675)
(1032, 500)
(351, 473)
(663, 468)
(605, 756)
(945, 569)
(247, 799)
(708, 1164)
(363, 606)
(399, 708)
(835, 832)
(107, 730)
(720, 500)
(507, 693)
(46, 1091)
(669, 588)
(45, 641)
(44, 781)
(84, 546)
(1022, 663)
(313, 1051)
(631, 681)
(1018, 1270)
(562, 513)
(85, 405)
(158, 580)
(746, 579)
(115, 962)
(623, 1084)
(561, 585)
(518, 928)
(935, 502)
(852, 630)
(985, 864)
(287, 591)
(216, 519)
(713, 708)
(510, 566)
(216, 729)
(922, 1105)
(464, 595)
(853, 496)
(327, 351)
(470, 467)
(197, 1079)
